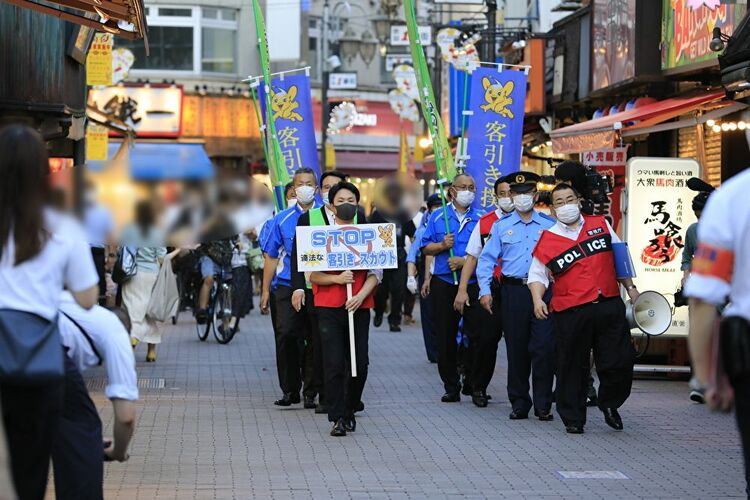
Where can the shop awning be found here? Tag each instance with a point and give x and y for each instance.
(157, 161)
(601, 132)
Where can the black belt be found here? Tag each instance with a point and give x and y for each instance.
(511, 280)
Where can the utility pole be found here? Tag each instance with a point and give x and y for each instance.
(325, 114)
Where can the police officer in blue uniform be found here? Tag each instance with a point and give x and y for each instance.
(530, 342)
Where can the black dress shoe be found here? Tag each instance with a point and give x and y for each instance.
(545, 416)
(321, 409)
(574, 429)
(451, 397)
(359, 407)
(310, 402)
(287, 400)
(338, 429)
(466, 390)
(377, 320)
(395, 328)
(295, 399)
(479, 399)
(518, 415)
(592, 401)
(350, 424)
(613, 418)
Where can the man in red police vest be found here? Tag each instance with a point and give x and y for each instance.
(588, 310)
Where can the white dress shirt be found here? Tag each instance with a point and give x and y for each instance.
(538, 272)
(474, 246)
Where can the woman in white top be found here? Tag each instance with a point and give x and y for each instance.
(41, 253)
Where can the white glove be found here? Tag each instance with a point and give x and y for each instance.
(411, 284)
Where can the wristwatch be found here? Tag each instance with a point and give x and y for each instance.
(630, 287)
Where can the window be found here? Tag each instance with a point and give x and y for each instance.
(187, 40)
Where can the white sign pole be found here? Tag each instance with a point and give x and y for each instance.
(352, 350)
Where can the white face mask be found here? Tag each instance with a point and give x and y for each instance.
(523, 202)
(505, 204)
(305, 194)
(291, 203)
(465, 198)
(568, 214)
(324, 195)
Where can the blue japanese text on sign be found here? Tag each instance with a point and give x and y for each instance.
(341, 248)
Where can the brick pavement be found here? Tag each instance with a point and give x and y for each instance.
(213, 432)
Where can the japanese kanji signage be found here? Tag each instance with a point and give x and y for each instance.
(152, 110)
(342, 248)
(609, 162)
(99, 60)
(495, 128)
(658, 215)
(97, 142)
(291, 106)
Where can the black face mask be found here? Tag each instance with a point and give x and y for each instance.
(346, 211)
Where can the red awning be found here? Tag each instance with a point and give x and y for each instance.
(601, 132)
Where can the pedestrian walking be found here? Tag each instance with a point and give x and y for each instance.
(529, 340)
(41, 252)
(586, 308)
(719, 275)
(99, 226)
(136, 292)
(242, 282)
(343, 392)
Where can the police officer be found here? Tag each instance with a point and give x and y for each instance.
(481, 326)
(720, 269)
(530, 341)
(588, 311)
(444, 283)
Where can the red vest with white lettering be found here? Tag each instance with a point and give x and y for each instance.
(583, 269)
(485, 227)
(335, 295)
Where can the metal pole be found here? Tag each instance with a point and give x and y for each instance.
(490, 52)
(325, 114)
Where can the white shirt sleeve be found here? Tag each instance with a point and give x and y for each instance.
(80, 272)
(474, 246)
(378, 273)
(538, 273)
(615, 238)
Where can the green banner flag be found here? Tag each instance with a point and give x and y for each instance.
(444, 166)
(276, 167)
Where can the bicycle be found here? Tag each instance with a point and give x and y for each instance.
(219, 311)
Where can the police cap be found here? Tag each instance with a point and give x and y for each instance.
(433, 200)
(522, 182)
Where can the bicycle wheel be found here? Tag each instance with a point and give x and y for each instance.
(202, 330)
(222, 314)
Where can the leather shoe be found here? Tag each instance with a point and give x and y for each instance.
(309, 402)
(287, 399)
(466, 390)
(338, 429)
(574, 429)
(613, 418)
(377, 320)
(479, 399)
(451, 397)
(518, 415)
(359, 407)
(350, 424)
(395, 328)
(545, 416)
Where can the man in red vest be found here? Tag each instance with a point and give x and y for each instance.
(588, 311)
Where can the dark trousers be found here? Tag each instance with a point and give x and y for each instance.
(290, 336)
(77, 452)
(426, 312)
(410, 301)
(530, 346)
(343, 392)
(31, 415)
(313, 353)
(600, 326)
(484, 331)
(99, 259)
(272, 308)
(446, 327)
(393, 284)
(742, 408)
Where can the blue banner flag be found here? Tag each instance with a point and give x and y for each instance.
(495, 130)
(291, 106)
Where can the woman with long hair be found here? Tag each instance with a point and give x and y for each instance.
(41, 253)
(136, 292)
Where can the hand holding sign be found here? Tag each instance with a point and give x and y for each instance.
(346, 278)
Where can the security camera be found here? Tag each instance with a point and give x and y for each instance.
(334, 62)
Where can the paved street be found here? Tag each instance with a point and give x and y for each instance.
(211, 431)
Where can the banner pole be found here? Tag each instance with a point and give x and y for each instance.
(352, 349)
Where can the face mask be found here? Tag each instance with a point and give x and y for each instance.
(346, 211)
(523, 202)
(291, 203)
(465, 198)
(568, 214)
(305, 194)
(505, 204)
(324, 195)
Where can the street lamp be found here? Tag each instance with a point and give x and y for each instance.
(349, 45)
(390, 7)
(367, 47)
(382, 25)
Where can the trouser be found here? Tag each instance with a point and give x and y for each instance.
(410, 301)
(343, 392)
(290, 336)
(99, 256)
(272, 308)
(742, 408)
(77, 452)
(393, 284)
(484, 332)
(600, 326)
(313, 353)
(426, 311)
(446, 328)
(31, 415)
(530, 345)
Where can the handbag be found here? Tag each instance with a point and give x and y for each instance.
(31, 351)
(125, 266)
(165, 295)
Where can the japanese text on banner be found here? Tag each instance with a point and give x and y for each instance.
(495, 129)
(342, 248)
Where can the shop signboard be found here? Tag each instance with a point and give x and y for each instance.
(613, 34)
(342, 81)
(610, 162)
(399, 35)
(97, 142)
(657, 216)
(152, 110)
(99, 60)
(687, 29)
(393, 60)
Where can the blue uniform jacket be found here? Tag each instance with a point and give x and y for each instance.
(435, 233)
